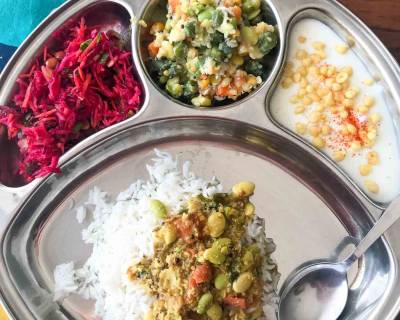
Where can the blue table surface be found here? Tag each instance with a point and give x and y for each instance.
(5, 54)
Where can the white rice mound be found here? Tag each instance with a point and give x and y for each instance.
(121, 234)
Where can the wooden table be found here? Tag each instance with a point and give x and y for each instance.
(383, 17)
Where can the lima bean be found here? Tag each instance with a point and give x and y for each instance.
(158, 209)
(204, 302)
(243, 189)
(221, 281)
(215, 312)
(243, 282)
(216, 224)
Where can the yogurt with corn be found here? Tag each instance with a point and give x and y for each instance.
(328, 97)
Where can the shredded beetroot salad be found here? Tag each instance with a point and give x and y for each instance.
(68, 95)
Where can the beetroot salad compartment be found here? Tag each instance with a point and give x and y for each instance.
(79, 81)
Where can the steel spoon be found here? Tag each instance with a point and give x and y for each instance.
(319, 290)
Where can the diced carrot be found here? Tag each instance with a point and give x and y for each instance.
(222, 91)
(153, 49)
(235, 302)
(237, 12)
(173, 4)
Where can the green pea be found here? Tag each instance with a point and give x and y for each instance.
(163, 79)
(217, 18)
(216, 54)
(205, 14)
(174, 88)
(253, 14)
(251, 5)
(221, 281)
(215, 312)
(180, 50)
(158, 209)
(249, 35)
(204, 302)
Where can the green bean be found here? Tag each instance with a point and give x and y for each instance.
(243, 282)
(216, 224)
(206, 14)
(217, 18)
(204, 302)
(158, 209)
(190, 29)
(215, 312)
(221, 281)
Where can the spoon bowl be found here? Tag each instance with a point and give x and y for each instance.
(319, 289)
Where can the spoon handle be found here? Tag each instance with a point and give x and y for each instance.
(390, 216)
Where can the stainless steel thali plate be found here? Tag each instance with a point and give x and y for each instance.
(312, 209)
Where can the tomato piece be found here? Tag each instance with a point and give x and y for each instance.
(202, 274)
(185, 229)
(235, 302)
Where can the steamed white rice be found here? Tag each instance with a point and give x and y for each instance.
(121, 234)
